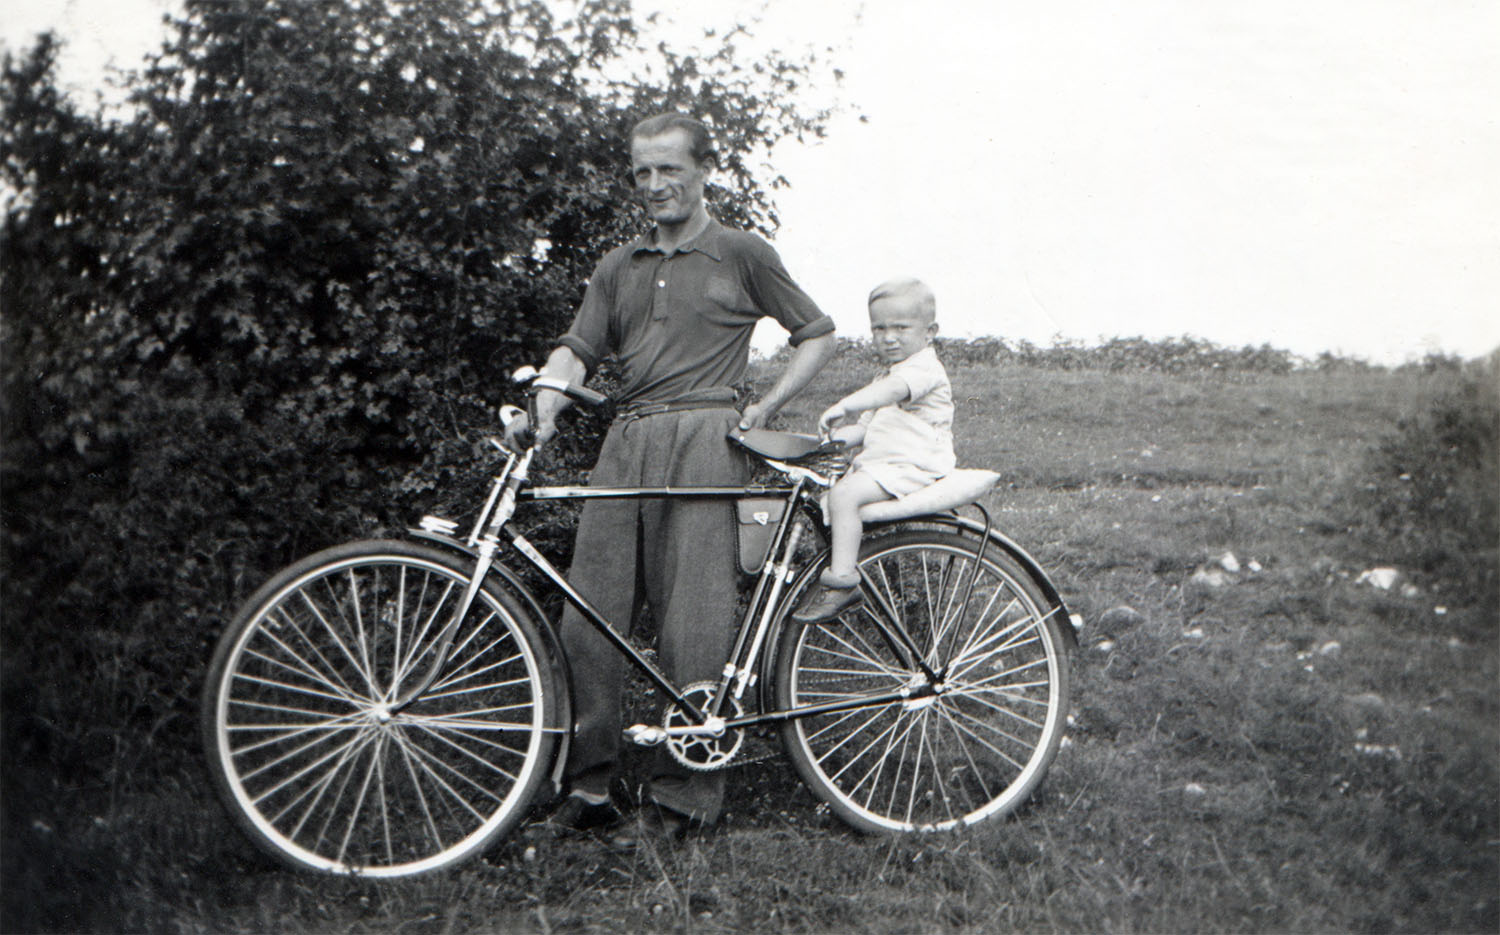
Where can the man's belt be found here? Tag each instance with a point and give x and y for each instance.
(721, 397)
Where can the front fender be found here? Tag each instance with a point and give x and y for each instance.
(557, 660)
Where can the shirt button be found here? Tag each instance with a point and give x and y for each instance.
(661, 283)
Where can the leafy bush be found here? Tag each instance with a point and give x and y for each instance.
(1427, 493)
(274, 306)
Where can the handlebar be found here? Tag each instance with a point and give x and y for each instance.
(573, 391)
(534, 380)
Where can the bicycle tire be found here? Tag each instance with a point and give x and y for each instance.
(304, 750)
(975, 750)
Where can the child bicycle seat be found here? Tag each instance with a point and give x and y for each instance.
(949, 492)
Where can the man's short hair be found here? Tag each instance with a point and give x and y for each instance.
(909, 288)
(701, 141)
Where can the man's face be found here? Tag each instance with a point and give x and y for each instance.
(667, 177)
(899, 328)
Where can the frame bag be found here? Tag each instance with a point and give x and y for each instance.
(756, 519)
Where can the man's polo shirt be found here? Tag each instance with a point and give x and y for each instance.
(682, 322)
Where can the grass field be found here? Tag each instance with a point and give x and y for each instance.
(1282, 747)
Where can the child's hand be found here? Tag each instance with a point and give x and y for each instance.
(852, 435)
(830, 418)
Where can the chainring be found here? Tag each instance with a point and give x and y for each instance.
(702, 752)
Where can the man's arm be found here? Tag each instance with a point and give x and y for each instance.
(807, 360)
(563, 364)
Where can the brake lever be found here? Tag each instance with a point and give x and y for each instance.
(508, 415)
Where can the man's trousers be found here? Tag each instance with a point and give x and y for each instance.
(674, 560)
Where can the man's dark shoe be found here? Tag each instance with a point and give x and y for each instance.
(655, 824)
(826, 603)
(577, 815)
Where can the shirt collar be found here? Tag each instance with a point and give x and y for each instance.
(709, 242)
(922, 357)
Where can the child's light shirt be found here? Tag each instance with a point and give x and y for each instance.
(909, 444)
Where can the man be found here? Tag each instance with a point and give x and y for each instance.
(677, 307)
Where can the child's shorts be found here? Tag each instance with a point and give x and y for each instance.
(898, 479)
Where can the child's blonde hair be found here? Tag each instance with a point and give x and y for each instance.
(907, 287)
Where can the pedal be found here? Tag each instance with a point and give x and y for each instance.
(645, 735)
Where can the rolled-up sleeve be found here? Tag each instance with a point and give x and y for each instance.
(776, 294)
(588, 337)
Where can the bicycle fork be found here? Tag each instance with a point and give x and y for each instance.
(498, 511)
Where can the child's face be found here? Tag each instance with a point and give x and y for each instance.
(899, 328)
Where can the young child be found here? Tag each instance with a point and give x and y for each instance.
(904, 420)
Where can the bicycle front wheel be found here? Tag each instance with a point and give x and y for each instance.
(972, 746)
(302, 738)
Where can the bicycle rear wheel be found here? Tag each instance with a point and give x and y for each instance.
(305, 749)
(973, 749)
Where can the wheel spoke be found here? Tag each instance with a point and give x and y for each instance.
(385, 806)
(306, 671)
(974, 768)
(338, 640)
(419, 647)
(286, 709)
(359, 802)
(984, 634)
(473, 756)
(436, 769)
(295, 689)
(473, 689)
(476, 737)
(416, 783)
(334, 755)
(455, 678)
(359, 631)
(459, 647)
(892, 737)
(328, 667)
(888, 735)
(863, 652)
(954, 715)
(288, 755)
(999, 709)
(1001, 674)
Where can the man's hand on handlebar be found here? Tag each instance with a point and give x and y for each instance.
(553, 392)
(519, 434)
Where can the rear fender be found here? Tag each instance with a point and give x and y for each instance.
(511, 583)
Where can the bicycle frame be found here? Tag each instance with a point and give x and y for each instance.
(740, 671)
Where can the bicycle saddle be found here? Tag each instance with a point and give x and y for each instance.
(781, 446)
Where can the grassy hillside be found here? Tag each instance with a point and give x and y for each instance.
(1278, 747)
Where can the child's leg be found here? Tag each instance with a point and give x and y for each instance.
(844, 500)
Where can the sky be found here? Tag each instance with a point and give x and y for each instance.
(1313, 176)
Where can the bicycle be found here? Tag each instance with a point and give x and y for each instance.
(392, 707)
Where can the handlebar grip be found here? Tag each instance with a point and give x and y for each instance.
(573, 391)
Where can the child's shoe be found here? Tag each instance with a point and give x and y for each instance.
(832, 598)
